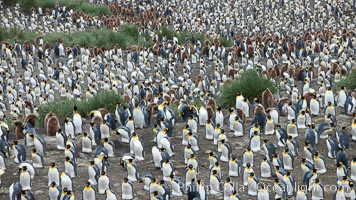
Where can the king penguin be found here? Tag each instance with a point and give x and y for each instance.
(69, 128)
(37, 159)
(53, 174)
(61, 139)
(77, 121)
(247, 157)
(215, 181)
(132, 170)
(136, 147)
(54, 191)
(288, 159)
(247, 171)
(86, 143)
(265, 168)
(109, 146)
(234, 167)
(238, 127)
(103, 183)
(25, 179)
(263, 193)
(19, 152)
(126, 190)
(255, 142)
(190, 174)
(88, 192)
(209, 130)
(70, 167)
(269, 127)
(252, 185)
(177, 186)
(226, 151)
(317, 190)
(353, 169)
(66, 181)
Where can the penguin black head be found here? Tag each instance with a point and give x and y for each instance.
(190, 166)
(106, 139)
(214, 172)
(33, 150)
(88, 183)
(218, 125)
(67, 159)
(248, 148)
(248, 165)
(85, 134)
(53, 184)
(68, 146)
(265, 140)
(126, 179)
(24, 168)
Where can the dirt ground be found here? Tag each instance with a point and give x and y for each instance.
(117, 173)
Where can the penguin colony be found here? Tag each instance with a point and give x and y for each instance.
(301, 137)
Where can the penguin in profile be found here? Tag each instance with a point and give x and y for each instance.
(70, 152)
(247, 157)
(193, 125)
(202, 189)
(109, 146)
(70, 167)
(314, 106)
(293, 145)
(126, 189)
(69, 128)
(212, 158)
(353, 129)
(132, 171)
(247, 171)
(309, 152)
(103, 183)
(282, 136)
(157, 157)
(306, 166)
(61, 139)
(301, 120)
(88, 192)
(203, 115)
(288, 160)
(37, 159)
(104, 130)
(125, 134)
(255, 128)
(54, 191)
(136, 147)
(343, 157)
(280, 189)
(187, 152)
(177, 186)
(26, 194)
(167, 169)
(25, 178)
(15, 191)
(66, 181)
(77, 121)
(311, 136)
(40, 143)
(289, 182)
(317, 189)
(265, 168)
(226, 151)
(234, 167)
(343, 138)
(168, 145)
(277, 161)
(193, 140)
(209, 130)
(219, 116)
(269, 149)
(340, 193)
(238, 127)
(214, 182)
(332, 146)
(86, 143)
(53, 174)
(252, 185)
(353, 169)
(341, 171)
(138, 116)
(93, 173)
(291, 110)
(19, 152)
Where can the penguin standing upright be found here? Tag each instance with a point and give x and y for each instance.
(69, 128)
(190, 174)
(209, 130)
(70, 167)
(126, 189)
(54, 191)
(247, 171)
(132, 170)
(255, 142)
(193, 140)
(53, 174)
(317, 190)
(238, 127)
(19, 152)
(77, 121)
(167, 169)
(215, 180)
(203, 115)
(88, 192)
(329, 96)
(66, 181)
(138, 116)
(265, 168)
(176, 185)
(93, 172)
(25, 179)
(234, 167)
(353, 129)
(263, 193)
(103, 183)
(353, 169)
(37, 159)
(136, 147)
(269, 127)
(61, 139)
(228, 188)
(86, 143)
(219, 116)
(288, 160)
(252, 184)
(247, 157)
(109, 146)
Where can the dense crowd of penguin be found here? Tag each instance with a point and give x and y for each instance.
(305, 47)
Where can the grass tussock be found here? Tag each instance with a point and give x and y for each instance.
(64, 107)
(251, 85)
(349, 81)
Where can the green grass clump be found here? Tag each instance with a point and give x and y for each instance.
(349, 81)
(251, 85)
(64, 107)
